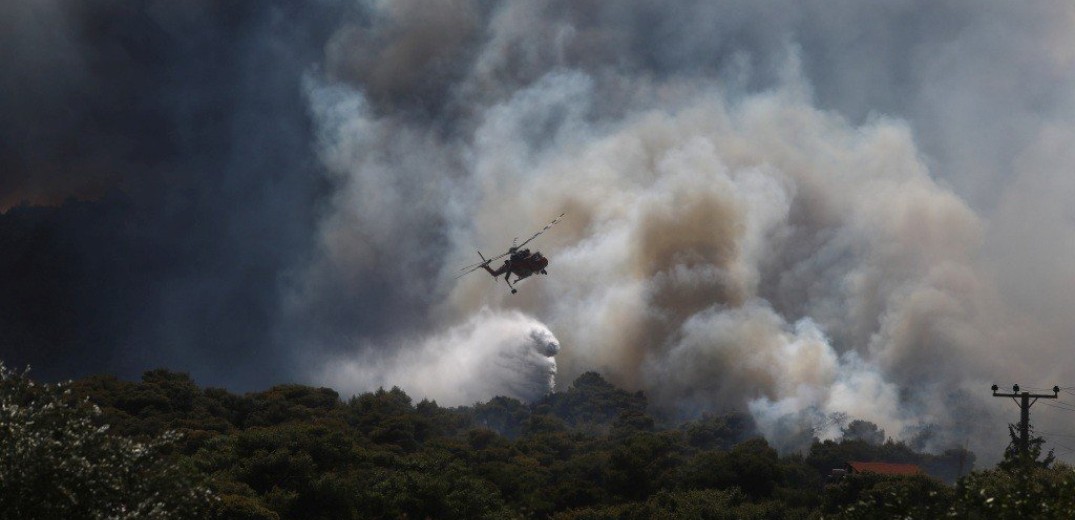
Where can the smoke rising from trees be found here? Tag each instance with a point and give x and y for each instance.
(798, 208)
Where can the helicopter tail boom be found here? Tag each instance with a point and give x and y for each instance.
(485, 265)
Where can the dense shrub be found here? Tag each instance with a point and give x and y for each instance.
(55, 462)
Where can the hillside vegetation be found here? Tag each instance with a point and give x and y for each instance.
(590, 452)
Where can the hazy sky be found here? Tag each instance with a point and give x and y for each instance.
(805, 209)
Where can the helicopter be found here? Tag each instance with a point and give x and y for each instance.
(520, 262)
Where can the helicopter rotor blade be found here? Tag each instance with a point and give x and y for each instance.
(544, 229)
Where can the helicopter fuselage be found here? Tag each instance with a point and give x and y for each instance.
(521, 262)
(521, 267)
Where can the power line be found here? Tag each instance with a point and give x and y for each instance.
(1062, 403)
(1055, 434)
(1067, 449)
(1061, 407)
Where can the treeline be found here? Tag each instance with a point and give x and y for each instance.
(592, 451)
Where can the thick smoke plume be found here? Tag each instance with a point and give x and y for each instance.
(739, 235)
(808, 210)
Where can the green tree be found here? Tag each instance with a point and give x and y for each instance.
(505, 415)
(865, 431)
(710, 504)
(1036, 492)
(1015, 459)
(719, 432)
(56, 463)
(870, 495)
(285, 403)
(593, 404)
(640, 464)
(752, 466)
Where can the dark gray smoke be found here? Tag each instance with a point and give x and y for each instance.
(806, 209)
(157, 183)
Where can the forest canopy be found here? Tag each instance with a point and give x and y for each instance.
(590, 451)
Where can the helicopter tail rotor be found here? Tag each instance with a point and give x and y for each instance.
(474, 267)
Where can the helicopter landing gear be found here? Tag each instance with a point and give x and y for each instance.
(544, 272)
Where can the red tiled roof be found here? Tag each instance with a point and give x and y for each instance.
(885, 468)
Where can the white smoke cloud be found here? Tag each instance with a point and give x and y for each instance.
(493, 353)
(730, 241)
(690, 231)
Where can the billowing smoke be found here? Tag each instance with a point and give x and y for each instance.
(808, 210)
(492, 353)
(737, 235)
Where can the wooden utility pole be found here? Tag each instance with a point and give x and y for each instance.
(1024, 404)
